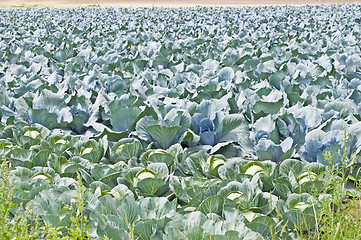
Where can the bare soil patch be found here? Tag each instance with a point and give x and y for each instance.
(165, 3)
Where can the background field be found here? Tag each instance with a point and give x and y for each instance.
(168, 3)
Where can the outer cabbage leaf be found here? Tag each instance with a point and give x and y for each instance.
(164, 133)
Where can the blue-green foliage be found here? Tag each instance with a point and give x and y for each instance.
(196, 123)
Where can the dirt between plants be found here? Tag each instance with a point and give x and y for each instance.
(165, 3)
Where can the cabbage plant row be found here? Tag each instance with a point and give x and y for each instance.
(184, 123)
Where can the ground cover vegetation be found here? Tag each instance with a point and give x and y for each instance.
(186, 123)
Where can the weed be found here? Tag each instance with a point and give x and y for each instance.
(78, 221)
(340, 213)
(24, 226)
(21, 225)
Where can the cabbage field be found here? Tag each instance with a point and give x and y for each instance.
(182, 123)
